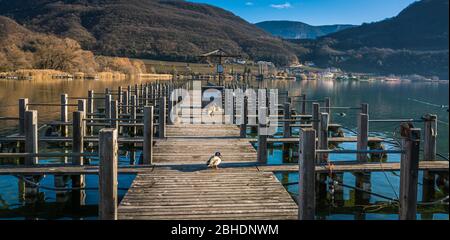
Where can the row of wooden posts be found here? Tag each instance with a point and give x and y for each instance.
(125, 109)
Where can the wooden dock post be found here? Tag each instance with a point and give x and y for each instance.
(137, 94)
(287, 119)
(162, 117)
(409, 171)
(307, 176)
(262, 135)
(125, 102)
(303, 109)
(328, 107)
(108, 154)
(363, 136)
(90, 110)
(244, 120)
(64, 114)
(429, 154)
(82, 108)
(365, 108)
(23, 107)
(60, 181)
(108, 99)
(119, 97)
(78, 146)
(115, 114)
(146, 99)
(77, 137)
(430, 136)
(133, 115)
(323, 137)
(31, 136)
(316, 117)
(31, 146)
(148, 135)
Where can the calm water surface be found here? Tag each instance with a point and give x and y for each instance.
(386, 100)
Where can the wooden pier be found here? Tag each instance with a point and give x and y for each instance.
(188, 190)
(172, 180)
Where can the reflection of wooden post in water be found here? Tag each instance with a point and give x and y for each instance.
(409, 171)
(78, 181)
(285, 148)
(307, 163)
(362, 181)
(31, 146)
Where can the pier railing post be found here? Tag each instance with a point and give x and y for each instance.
(133, 115)
(262, 135)
(162, 117)
(23, 107)
(363, 136)
(409, 171)
(78, 145)
(303, 109)
(125, 102)
(31, 136)
(316, 117)
(115, 114)
(429, 154)
(365, 108)
(244, 120)
(108, 99)
(323, 137)
(90, 110)
(287, 120)
(108, 154)
(77, 137)
(430, 136)
(148, 135)
(82, 109)
(31, 146)
(328, 107)
(307, 176)
(64, 114)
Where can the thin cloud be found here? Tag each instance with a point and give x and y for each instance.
(281, 6)
(249, 4)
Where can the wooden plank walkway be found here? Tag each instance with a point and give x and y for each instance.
(195, 192)
(438, 166)
(194, 144)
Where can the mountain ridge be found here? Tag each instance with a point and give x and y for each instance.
(413, 42)
(300, 30)
(153, 29)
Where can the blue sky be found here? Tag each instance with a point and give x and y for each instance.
(314, 12)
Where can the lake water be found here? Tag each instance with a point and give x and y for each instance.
(386, 100)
